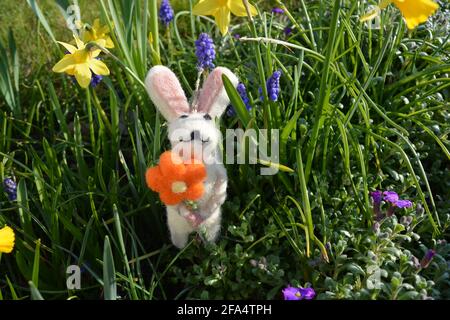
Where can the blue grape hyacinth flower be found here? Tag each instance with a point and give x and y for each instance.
(10, 188)
(166, 12)
(205, 52)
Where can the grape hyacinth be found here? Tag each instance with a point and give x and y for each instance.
(166, 12)
(277, 11)
(10, 188)
(273, 86)
(95, 80)
(287, 30)
(205, 52)
(243, 93)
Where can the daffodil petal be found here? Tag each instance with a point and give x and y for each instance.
(205, 7)
(68, 47)
(7, 239)
(416, 11)
(109, 43)
(67, 62)
(222, 17)
(98, 67)
(237, 7)
(83, 75)
(80, 44)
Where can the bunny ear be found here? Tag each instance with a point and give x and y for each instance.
(213, 98)
(166, 93)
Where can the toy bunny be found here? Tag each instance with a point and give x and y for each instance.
(194, 128)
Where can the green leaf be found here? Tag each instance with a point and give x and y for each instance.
(109, 273)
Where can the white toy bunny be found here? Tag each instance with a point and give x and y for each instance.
(194, 128)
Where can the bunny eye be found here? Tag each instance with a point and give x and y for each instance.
(184, 116)
(207, 117)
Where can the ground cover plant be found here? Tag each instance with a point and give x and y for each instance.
(359, 207)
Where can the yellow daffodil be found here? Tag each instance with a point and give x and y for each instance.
(221, 9)
(414, 11)
(80, 61)
(97, 32)
(7, 238)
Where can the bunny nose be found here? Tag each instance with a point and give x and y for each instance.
(195, 135)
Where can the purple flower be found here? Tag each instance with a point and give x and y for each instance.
(205, 52)
(277, 11)
(390, 196)
(10, 188)
(403, 204)
(95, 80)
(287, 30)
(377, 197)
(426, 260)
(166, 12)
(291, 293)
(243, 93)
(273, 86)
(237, 36)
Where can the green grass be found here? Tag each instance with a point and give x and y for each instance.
(361, 109)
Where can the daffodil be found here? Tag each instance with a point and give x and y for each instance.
(221, 10)
(6, 239)
(80, 62)
(97, 32)
(414, 11)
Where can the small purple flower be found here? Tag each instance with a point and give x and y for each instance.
(287, 30)
(277, 11)
(205, 52)
(243, 93)
(95, 80)
(166, 12)
(10, 188)
(426, 260)
(237, 36)
(403, 204)
(291, 293)
(390, 196)
(273, 86)
(377, 197)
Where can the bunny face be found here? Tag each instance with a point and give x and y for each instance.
(194, 134)
(190, 130)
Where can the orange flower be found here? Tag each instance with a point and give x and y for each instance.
(176, 181)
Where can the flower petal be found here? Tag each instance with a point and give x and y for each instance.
(222, 17)
(83, 74)
(416, 11)
(154, 179)
(7, 239)
(80, 44)
(169, 198)
(98, 67)
(194, 192)
(237, 7)
(205, 8)
(195, 173)
(172, 166)
(68, 47)
(67, 62)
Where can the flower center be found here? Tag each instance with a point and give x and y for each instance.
(298, 294)
(179, 187)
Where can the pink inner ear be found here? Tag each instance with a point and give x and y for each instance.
(210, 91)
(169, 90)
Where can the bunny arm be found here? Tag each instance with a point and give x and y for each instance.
(219, 192)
